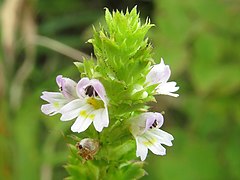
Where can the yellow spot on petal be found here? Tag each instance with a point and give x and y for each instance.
(83, 113)
(150, 142)
(56, 105)
(95, 103)
(92, 116)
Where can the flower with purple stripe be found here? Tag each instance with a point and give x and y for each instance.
(145, 129)
(56, 100)
(89, 107)
(160, 74)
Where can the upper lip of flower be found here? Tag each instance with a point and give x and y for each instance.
(159, 73)
(153, 120)
(91, 88)
(67, 87)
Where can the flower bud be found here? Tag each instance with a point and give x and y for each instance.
(87, 148)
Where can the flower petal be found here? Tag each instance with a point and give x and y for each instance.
(98, 87)
(138, 125)
(152, 143)
(159, 73)
(70, 115)
(67, 87)
(142, 150)
(151, 118)
(101, 119)
(157, 149)
(59, 80)
(81, 85)
(162, 136)
(81, 124)
(83, 121)
(167, 89)
(48, 109)
(105, 117)
(52, 97)
(56, 101)
(98, 124)
(143, 122)
(71, 110)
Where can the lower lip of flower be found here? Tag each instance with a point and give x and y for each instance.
(150, 142)
(95, 103)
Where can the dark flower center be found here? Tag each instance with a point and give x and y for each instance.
(90, 91)
(155, 123)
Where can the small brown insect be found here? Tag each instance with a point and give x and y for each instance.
(87, 148)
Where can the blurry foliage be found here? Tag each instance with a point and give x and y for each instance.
(199, 39)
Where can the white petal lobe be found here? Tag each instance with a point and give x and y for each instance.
(141, 150)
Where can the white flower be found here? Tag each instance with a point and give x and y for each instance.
(159, 74)
(145, 129)
(85, 101)
(56, 100)
(89, 106)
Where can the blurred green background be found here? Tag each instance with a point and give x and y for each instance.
(199, 39)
